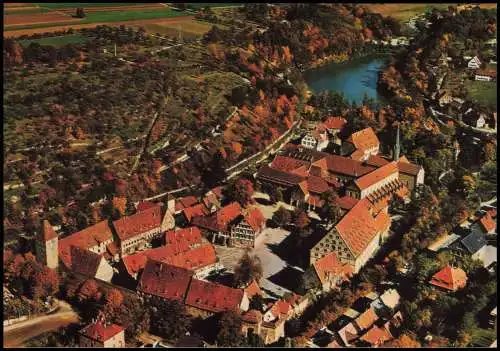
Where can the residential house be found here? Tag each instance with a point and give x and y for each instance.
(485, 75)
(355, 238)
(218, 225)
(474, 63)
(470, 244)
(253, 289)
(326, 273)
(204, 299)
(334, 126)
(317, 140)
(270, 332)
(137, 231)
(102, 334)
(309, 192)
(278, 309)
(386, 303)
(487, 224)
(348, 334)
(186, 237)
(182, 203)
(90, 264)
(410, 174)
(361, 144)
(97, 238)
(449, 278)
(365, 320)
(375, 337)
(475, 119)
(247, 228)
(198, 210)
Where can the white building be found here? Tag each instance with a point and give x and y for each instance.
(474, 63)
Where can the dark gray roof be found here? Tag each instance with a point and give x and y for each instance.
(474, 241)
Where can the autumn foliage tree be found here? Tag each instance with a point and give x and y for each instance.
(113, 301)
(241, 191)
(248, 268)
(404, 341)
(282, 217)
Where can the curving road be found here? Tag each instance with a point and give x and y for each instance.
(15, 335)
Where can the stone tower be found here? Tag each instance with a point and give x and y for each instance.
(397, 147)
(47, 246)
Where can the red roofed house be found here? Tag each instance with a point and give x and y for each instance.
(278, 310)
(381, 179)
(450, 278)
(182, 203)
(102, 334)
(247, 228)
(190, 237)
(219, 223)
(162, 280)
(376, 336)
(270, 332)
(253, 289)
(309, 191)
(365, 320)
(326, 273)
(90, 264)
(355, 238)
(137, 230)
(204, 299)
(317, 140)
(488, 224)
(334, 125)
(46, 246)
(365, 141)
(195, 211)
(201, 260)
(95, 238)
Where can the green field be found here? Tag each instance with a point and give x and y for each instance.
(109, 16)
(56, 5)
(483, 338)
(198, 5)
(57, 41)
(484, 92)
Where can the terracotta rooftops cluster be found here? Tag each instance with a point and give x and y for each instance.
(219, 221)
(130, 226)
(377, 175)
(84, 261)
(334, 123)
(164, 280)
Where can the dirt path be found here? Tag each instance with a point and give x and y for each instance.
(17, 334)
(15, 33)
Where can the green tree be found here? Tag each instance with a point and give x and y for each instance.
(169, 318)
(282, 217)
(229, 330)
(248, 268)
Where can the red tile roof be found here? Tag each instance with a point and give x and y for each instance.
(85, 239)
(492, 212)
(364, 139)
(281, 309)
(253, 289)
(343, 165)
(357, 228)
(346, 202)
(47, 232)
(255, 218)
(377, 161)
(101, 333)
(217, 191)
(358, 155)
(376, 176)
(220, 220)
(288, 164)
(450, 278)
(330, 266)
(184, 237)
(136, 262)
(383, 221)
(194, 259)
(213, 297)
(366, 319)
(377, 336)
(145, 205)
(335, 123)
(164, 280)
(184, 202)
(195, 211)
(488, 223)
(211, 200)
(113, 248)
(406, 167)
(141, 222)
(317, 185)
(84, 261)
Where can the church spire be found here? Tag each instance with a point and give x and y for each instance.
(397, 146)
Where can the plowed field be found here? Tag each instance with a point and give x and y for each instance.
(36, 18)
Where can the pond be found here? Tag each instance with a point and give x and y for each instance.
(353, 78)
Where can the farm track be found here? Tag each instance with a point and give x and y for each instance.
(14, 33)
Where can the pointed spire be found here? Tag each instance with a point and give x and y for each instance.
(48, 233)
(397, 146)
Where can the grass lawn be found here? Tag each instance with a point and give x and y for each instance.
(57, 41)
(483, 337)
(484, 92)
(403, 12)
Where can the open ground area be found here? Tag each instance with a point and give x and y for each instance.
(484, 92)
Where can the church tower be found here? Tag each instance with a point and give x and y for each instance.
(397, 147)
(47, 246)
